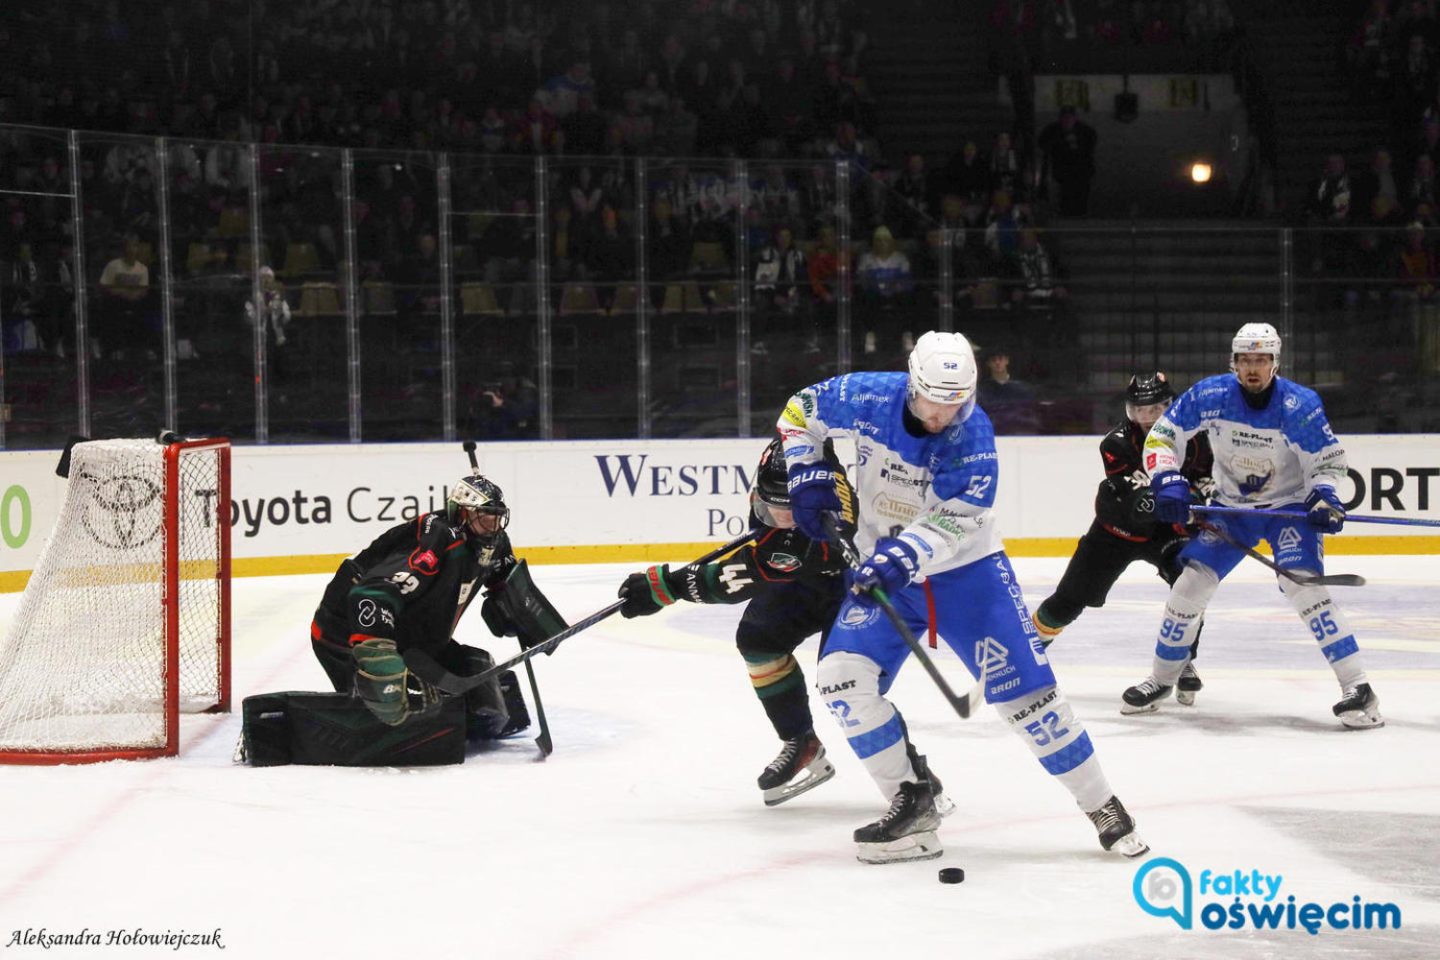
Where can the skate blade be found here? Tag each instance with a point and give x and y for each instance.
(917, 846)
(1186, 698)
(1130, 710)
(1360, 720)
(1130, 846)
(811, 777)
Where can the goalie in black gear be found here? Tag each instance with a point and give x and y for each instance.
(1124, 529)
(408, 590)
(795, 586)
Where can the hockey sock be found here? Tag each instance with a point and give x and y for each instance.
(1048, 624)
(1188, 596)
(1330, 629)
(1046, 722)
(780, 685)
(850, 684)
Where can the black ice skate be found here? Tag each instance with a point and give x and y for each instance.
(800, 766)
(1188, 685)
(1359, 708)
(943, 804)
(1117, 829)
(1144, 697)
(906, 832)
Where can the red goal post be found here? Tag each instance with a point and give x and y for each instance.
(125, 622)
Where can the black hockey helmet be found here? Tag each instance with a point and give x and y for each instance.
(771, 477)
(474, 494)
(1148, 388)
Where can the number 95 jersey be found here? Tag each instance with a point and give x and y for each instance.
(934, 491)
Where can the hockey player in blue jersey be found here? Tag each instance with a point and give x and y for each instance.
(925, 486)
(1273, 449)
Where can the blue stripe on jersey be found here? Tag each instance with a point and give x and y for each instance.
(869, 744)
(1340, 649)
(1069, 757)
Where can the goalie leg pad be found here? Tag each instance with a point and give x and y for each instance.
(487, 714)
(333, 729)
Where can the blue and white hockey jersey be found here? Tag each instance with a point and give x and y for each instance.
(1263, 458)
(935, 492)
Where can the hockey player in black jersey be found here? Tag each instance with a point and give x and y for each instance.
(408, 589)
(795, 586)
(1124, 529)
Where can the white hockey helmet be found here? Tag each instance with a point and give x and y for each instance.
(1256, 338)
(942, 369)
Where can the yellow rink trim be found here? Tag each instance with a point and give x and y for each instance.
(14, 581)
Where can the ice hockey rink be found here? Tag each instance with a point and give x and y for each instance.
(643, 835)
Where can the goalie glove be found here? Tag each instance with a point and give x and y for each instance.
(385, 686)
(646, 593)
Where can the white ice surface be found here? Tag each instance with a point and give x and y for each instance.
(644, 834)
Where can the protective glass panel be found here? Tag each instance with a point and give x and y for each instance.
(302, 259)
(210, 257)
(493, 230)
(38, 406)
(122, 265)
(692, 255)
(594, 297)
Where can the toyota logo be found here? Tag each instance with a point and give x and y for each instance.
(123, 511)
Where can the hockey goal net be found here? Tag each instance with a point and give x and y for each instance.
(125, 622)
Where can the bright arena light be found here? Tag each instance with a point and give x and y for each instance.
(1200, 172)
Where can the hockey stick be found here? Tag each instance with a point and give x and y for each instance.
(427, 669)
(544, 741)
(1303, 579)
(963, 705)
(1291, 515)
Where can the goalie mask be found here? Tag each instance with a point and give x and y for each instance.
(770, 494)
(477, 506)
(1146, 398)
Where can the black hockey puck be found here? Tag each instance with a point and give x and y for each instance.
(952, 875)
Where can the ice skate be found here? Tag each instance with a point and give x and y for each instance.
(906, 832)
(1359, 708)
(799, 766)
(1117, 829)
(1188, 685)
(943, 804)
(1144, 697)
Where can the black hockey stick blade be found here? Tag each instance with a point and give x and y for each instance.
(546, 745)
(962, 705)
(1303, 579)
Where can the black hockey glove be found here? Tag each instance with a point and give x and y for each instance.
(645, 593)
(492, 611)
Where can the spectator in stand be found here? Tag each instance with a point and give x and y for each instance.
(1006, 172)
(780, 279)
(125, 289)
(534, 131)
(676, 130)
(1415, 82)
(1422, 184)
(275, 318)
(914, 189)
(652, 97)
(625, 65)
(636, 127)
(561, 93)
(824, 266)
(1418, 274)
(788, 107)
(1329, 206)
(1377, 181)
(1009, 403)
(1002, 230)
(885, 287)
(1068, 149)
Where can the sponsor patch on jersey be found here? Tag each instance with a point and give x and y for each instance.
(1150, 461)
(793, 414)
(784, 562)
(425, 562)
(1289, 539)
(892, 509)
(366, 614)
(856, 615)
